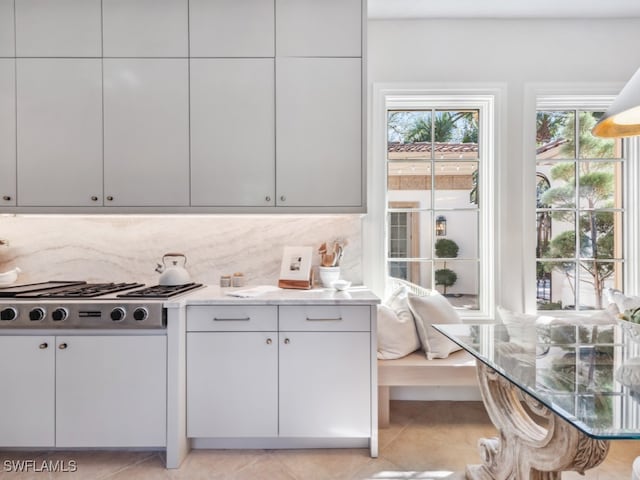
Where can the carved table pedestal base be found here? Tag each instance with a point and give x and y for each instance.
(534, 443)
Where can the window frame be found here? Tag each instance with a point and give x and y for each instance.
(579, 97)
(487, 100)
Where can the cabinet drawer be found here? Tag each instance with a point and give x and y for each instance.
(325, 318)
(232, 318)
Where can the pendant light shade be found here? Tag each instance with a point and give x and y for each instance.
(622, 119)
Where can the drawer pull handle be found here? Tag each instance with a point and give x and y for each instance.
(269, 341)
(338, 319)
(62, 346)
(287, 341)
(43, 345)
(244, 319)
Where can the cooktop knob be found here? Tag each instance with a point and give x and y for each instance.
(140, 314)
(8, 314)
(37, 314)
(118, 314)
(59, 314)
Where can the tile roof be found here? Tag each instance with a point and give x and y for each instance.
(419, 147)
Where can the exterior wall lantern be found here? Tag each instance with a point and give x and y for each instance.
(441, 226)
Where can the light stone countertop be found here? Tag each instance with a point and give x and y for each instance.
(214, 295)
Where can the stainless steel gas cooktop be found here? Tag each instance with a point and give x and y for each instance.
(79, 304)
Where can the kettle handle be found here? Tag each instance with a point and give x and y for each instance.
(174, 255)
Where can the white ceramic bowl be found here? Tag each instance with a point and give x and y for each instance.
(341, 285)
(8, 278)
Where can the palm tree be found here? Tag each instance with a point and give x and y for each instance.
(416, 126)
(444, 127)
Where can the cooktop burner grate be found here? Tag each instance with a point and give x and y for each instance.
(87, 290)
(160, 291)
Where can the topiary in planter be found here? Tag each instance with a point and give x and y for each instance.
(446, 278)
(446, 248)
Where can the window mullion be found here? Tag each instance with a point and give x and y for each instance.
(576, 213)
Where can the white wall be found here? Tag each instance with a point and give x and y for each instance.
(517, 53)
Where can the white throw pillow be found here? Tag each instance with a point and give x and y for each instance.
(512, 318)
(428, 310)
(622, 301)
(399, 302)
(397, 336)
(514, 323)
(628, 374)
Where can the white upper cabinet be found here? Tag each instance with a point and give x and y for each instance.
(219, 105)
(60, 28)
(145, 28)
(7, 131)
(146, 132)
(318, 132)
(7, 34)
(59, 107)
(232, 132)
(231, 28)
(319, 28)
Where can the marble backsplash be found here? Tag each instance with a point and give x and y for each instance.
(127, 247)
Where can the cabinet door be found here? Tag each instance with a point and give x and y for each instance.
(318, 132)
(146, 132)
(232, 132)
(27, 374)
(59, 131)
(325, 384)
(7, 131)
(232, 380)
(313, 28)
(229, 28)
(145, 28)
(111, 391)
(7, 36)
(64, 28)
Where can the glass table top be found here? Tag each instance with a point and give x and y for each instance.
(588, 374)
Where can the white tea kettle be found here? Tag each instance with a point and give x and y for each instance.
(172, 270)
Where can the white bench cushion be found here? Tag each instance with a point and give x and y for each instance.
(457, 369)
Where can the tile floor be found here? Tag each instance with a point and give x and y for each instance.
(426, 440)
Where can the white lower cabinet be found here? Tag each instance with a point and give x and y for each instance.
(111, 391)
(83, 391)
(232, 384)
(27, 406)
(325, 384)
(312, 380)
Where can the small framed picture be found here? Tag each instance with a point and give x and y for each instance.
(295, 271)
